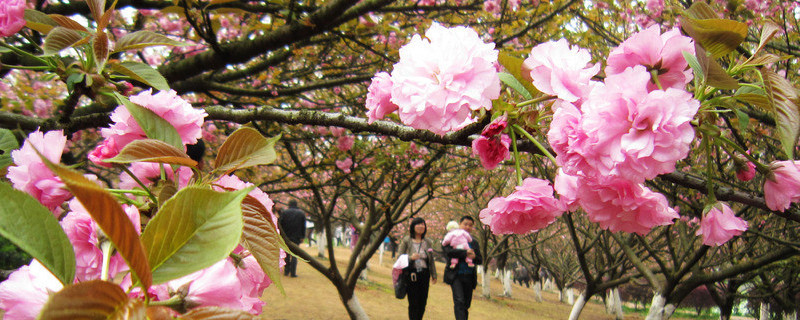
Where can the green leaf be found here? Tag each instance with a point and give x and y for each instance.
(513, 83)
(60, 38)
(8, 143)
(93, 299)
(193, 230)
(743, 119)
(109, 216)
(714, 74)
(151, 150)
(768, 32)
(245, 148)
(783, 100)
(154, 126)
(753, 96)
(32, 227)
(514, 66)
(701, 10)
(718, 36)
(695, 65)
(39, 21)
(143, 39)
(260, 237)
(143, 73)
(67, 22)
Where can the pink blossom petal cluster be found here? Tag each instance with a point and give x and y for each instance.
(746, 172)
(345, 142)
(379, 97)
(148, 173)
(495, 127)
(31, 175)
(621, 205)
(662, 53)
(12, 17)
(530, 208)
(719, 225)
(559, 69)
(491, 150)
(217, 285)
(436, 90)
(345, 164)
(105, 150)
(782, 185)
(84, 234)
(166, 104)
(26, 291)
(233, 182)
(567, 188)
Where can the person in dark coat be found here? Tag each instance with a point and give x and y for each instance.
(465, 278)
(293, 223)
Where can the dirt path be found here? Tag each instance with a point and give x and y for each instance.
(311, 296)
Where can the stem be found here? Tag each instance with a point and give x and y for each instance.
(175, 300)
(516, 158)
(759, 166)
(535, 101)
(139, 182)
(105, 246)
(23, 52)
(712, 197)
(654, 77)
(8, 66)
(535, 142)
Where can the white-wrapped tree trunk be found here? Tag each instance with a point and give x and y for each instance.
(507, 283)
(659, 309)
(790, 316)
(764, 314)
(610, 301)
(577, 307)
(567, 296)
(485, 288)
(355, 309)
(321, 244)
(618, 313)
(537, 290)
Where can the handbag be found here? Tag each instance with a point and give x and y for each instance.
(401, 287)
(449, 275)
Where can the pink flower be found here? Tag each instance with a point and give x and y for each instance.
(31, 175)
(746, 171)
(621, 205)
(253, 281)
(656, 51)
(379, 95)
(492, 150)
(345, 164)
(83, 233)
(568, 139)
(437, 90)
(345, 142)
(567, 188)
(12, 17)
(148, 173)
(418, 163)
(166, 104)
(26, 291)
(719, 225)
(495, 127)
(233, 182)
(782, 185)
(217, 285)
(639, 134)
(106, 150)
(655, 6)
(561, 70)
(530, 208)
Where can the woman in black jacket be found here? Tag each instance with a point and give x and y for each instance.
(421, 267)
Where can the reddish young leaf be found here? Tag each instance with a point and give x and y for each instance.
(244, 148)
(784, 103)
(107, 212)
(100, 49)
(152, 150)
(94, 299)
(260, 237)
(67, 22)
(61, 38)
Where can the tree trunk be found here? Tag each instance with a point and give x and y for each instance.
(537, 290)
(507, 283)
(657, 308)
(790, 316)
(577, 308)
(619, 314)
(321, 244)
(567, 296)
(764, 313)
(610, 301)
(354, 309)
(485, 288)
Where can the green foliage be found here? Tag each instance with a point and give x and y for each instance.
(141, 72)
(8, 143)
(154, 126)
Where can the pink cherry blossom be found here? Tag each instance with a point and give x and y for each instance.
(621, 205)
(655, 51)
(379, 95)
(32, 176)
(345, 142)
(166, 104)
(720, 224)
(26, 291)
(782, 185)
(561, 70)
(217, 285)
(253, 281)
(746, 172)
(148, 173)
(656, 7)
(568, 139)
(492, 150)
(530, 208)
(233, 182)
(437, 90)
(12, 17)
(567, 188)
(345, 164)
(495, 127)
(106, 150)
(639, 134)
(84, 234)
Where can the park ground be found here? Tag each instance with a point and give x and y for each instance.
(311, 296)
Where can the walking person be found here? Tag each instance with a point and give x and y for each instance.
(293, 223)
(421, 267)
(462, 278)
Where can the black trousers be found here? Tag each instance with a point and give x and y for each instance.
(291, 265)
(418, 295)
(462, 295)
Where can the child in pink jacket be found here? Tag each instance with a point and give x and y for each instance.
(459, 239)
